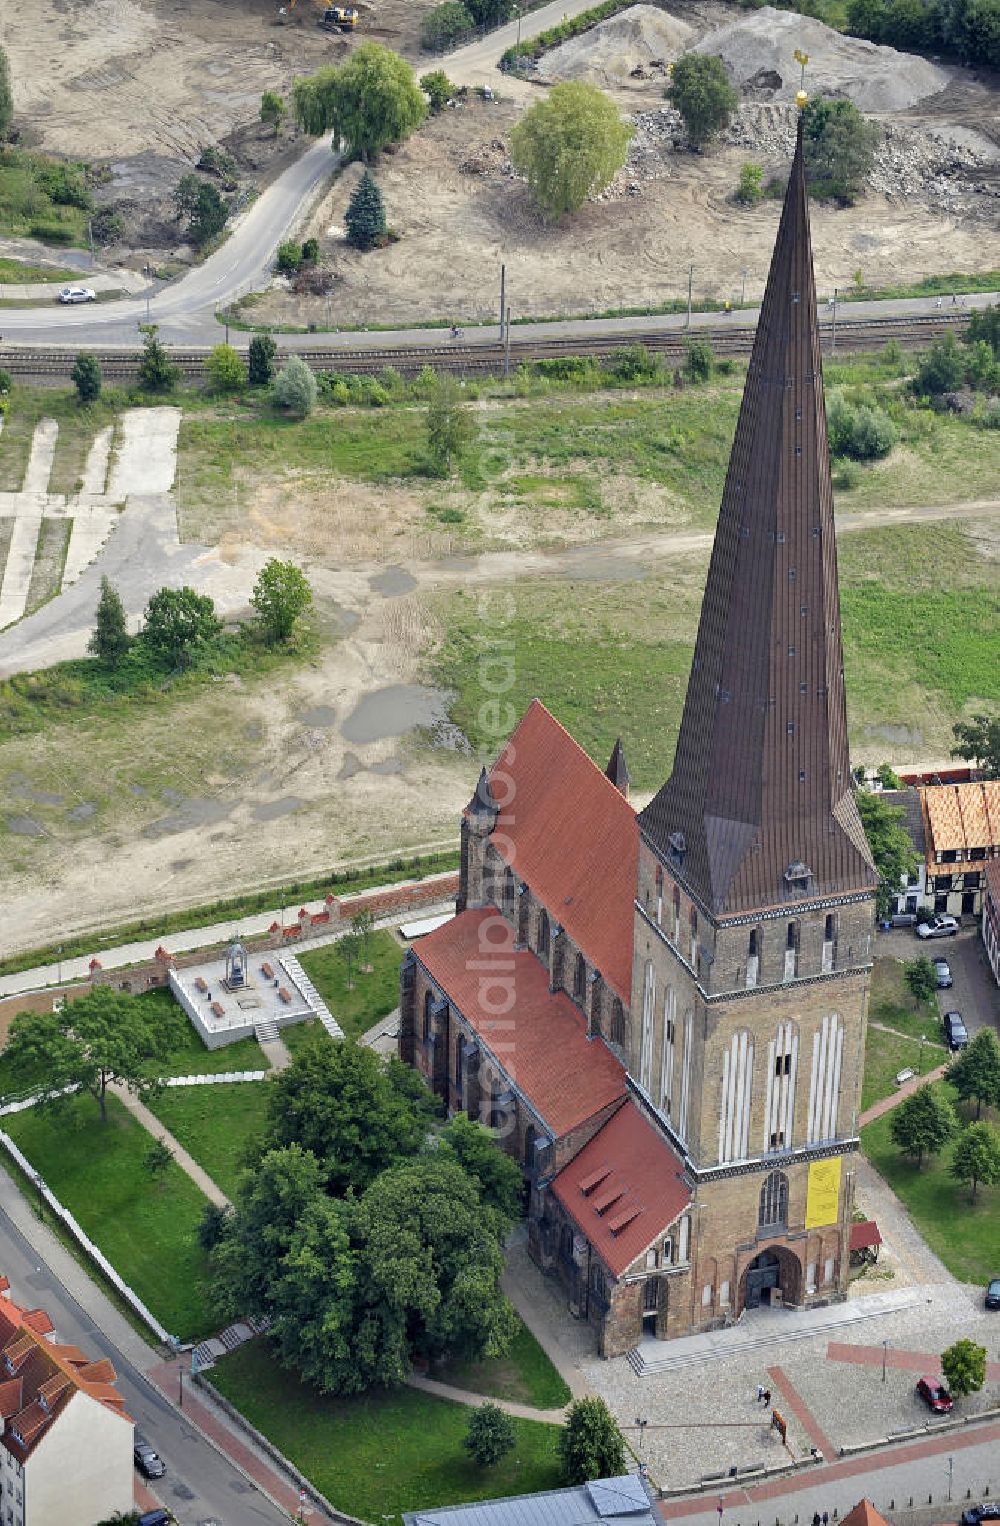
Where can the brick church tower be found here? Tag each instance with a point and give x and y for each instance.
(755, 907)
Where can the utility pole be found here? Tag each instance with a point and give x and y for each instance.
(503, 297)
(743, 288)
(885, 1353)
(506, 353)
(690, 285)
(833, 340)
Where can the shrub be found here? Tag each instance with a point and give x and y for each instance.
(942, 369)
(862, 433)
(445, 26)
(569, 146)
(157, 373)
(65, 184)
(590, 1444)
(86, 377)
(700, 361)
(261, 360)
(215, 161)
(6, 382)
(701, 91)
(310, 251)
(438, 89)
(633, 362)
(273, 110)
(567, 368)
(750, 189)
(289, 257)
(226, 371)
(107, 226)
(294, 387)
(365, 215)
(990, 416)
(490, 1435)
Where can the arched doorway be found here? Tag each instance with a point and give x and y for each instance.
(774, 1270)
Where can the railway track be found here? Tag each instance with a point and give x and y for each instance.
(48, 364)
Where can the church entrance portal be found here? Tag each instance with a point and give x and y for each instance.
(772, 1272)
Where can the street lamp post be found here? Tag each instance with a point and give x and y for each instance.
(641, 1424)
(743, 288)
(951, 1475)
(885, 1354)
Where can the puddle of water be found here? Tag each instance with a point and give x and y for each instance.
(171, 794)
(393, 711)
(138, 789)
(253, 731)
(24, 826)
(390, 766)
(319, 715)
(83, 811)
(393, 581)
(345, 619)
(190, 814)
(19, 784)
(351, 765)
(272, 810)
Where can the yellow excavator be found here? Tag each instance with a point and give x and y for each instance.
(334, 18)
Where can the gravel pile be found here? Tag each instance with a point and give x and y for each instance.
(758, 52)
(637, 44)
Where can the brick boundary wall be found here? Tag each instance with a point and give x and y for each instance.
(270, 1450)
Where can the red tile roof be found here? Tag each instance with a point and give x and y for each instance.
(623, 1189)
(38, 1378)
(541, 1044)
(865, 1234)
(575, 840)
(864, 1514)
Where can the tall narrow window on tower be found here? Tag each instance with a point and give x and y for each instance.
(694, 939)
(792, 951)
(829, 943)
(659, 896)
(677, 914)
(734, 1110)
(753, 959)
(667, 1052)
(646, 1043)
(682, 1120)
(824, 1079)
(779, 1108)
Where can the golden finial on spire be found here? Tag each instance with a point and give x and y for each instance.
(800, 98)
(800, 95)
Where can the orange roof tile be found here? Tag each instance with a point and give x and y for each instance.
(864, 1514)
(541, 1044)
(962, 816)
(10, 1398)
(630, 1160)
(574, 839)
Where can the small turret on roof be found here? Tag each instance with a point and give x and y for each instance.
(482, 810)
(617, 769)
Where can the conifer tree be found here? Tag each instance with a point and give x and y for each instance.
(110, 638)
(365, 216)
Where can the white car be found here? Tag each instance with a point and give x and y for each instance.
(77, 294)
(940, 927)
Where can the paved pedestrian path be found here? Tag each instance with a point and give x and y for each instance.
(793, 1401)
(886, 1104)
(908, 1361)
(158, 1130)
(466, 1396)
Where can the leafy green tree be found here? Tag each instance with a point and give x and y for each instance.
(273, 110)
(211, 1226)
(364, 219)
(209, 215)
(964, 1367)
(157, 373)
(340, 1102)
(281, 595)
(976, 1157)
(590, 1444)
(700, 89)
(288, 257)
(921, 977)
(984, 327)
(490, 1435)
(186, 194)
(894, 854)
(271, 1200)
(445, 26)
(6, 96)
(858, 431)
(363, 923)
(942, 369)
(569, 145)
(349, 951)
(433, 1260)
(109, 639)
(226, 371)
(839, 149)
(86, 377)
(438, 89)
(261, 360)
(177, 623)
(751, 185)
(369, 101)
(320, 1322)
(449, 428)
(498, 1176)
(158, 1157)
(699, 362)
(310, 251)
(294, 387)
(490, 13)
(978, 742)
(106, 1036)
(888, 777)
(975, 1071)
(923, 1124)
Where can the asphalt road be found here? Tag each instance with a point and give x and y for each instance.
(200, 1485)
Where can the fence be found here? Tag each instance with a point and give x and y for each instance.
(82, 1239)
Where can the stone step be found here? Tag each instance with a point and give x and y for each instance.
(266, 1032)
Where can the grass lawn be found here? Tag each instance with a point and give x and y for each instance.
(22, 273)
(525, 1374)
(373, 992)
(28, 205)
(965, 1235)
(383, 1453)
(300, 1034)
(146, 1228)
(612, 658)
(78, 424)
(886, 1054)
(215, 1124)
(188, 1056)
(893, 1003)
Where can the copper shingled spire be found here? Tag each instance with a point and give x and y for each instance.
(759, 807)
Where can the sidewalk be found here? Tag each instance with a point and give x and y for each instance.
(157, 1130)
(907, 1089)
(464, 1396)
(126, 281)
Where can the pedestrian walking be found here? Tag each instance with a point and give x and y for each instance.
(816, 1519)
(760, 1392)
(825, 1518)
(767, 1398)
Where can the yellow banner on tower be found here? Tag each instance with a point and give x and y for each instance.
(823, 1194)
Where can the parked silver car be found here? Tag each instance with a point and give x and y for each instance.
(77, 294)
(938, 927)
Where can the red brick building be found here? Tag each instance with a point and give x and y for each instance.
(663, 1015)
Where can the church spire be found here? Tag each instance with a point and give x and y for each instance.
(759, 808)
(617, 769)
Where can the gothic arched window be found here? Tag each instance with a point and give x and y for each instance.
(773, 1201)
